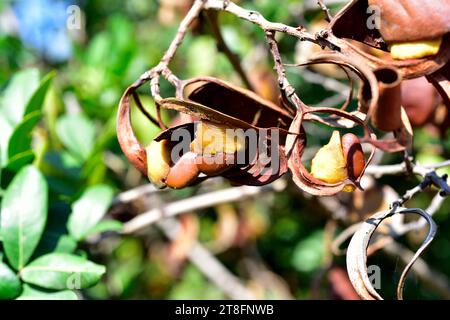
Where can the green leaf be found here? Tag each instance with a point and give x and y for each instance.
(23, 215)
(9, 283)
(30, 293)
(89, 210)
(66, 244)
(77, 134)
(18, 93)
(5, 134)
(105, 226)
(20, 160)
(20, 140)
(20, 112)
(36, 101)
(62, 271)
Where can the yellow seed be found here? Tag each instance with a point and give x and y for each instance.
(349, 188)
(415, 50)
(212, 138)
(329, 164)
(158, 162)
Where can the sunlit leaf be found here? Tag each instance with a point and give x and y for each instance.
(16, 96)
(61, 271)
(20, 160)
(77, 133)
(23, 215)
(89, 210)
(9, 283)
(36, 101)
(20, 140)
(31, 293)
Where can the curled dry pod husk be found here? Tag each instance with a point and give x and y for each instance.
(369, 93)
(368, 101)
(399, 24)
(130, 145)
(441, 80)
(387, 114)
(357, 252)
(238, 103)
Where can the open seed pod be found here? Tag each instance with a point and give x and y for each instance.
(415, 31)
(219, 106)
(338, 166)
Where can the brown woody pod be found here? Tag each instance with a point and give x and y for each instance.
(387, 114)
(401, 21)
(412, 20)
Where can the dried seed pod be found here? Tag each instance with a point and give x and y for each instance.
(184, 172)
(404, 22)
(387, 114)
(358, 247)
(412, 20)
(339, 160)
(158, 162)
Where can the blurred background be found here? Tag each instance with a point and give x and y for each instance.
(275, 242)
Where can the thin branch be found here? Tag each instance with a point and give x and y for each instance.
(286, 88)
(326, 82)
(206, 200)
(258, 19)
(311, 5)
(325, 10)
(394, 169)
(223, 47)
(212, 268)
(135, 193)
(435, 205)
(219, 5)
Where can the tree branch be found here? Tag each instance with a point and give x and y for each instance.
(212, 268)
(202, 201)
